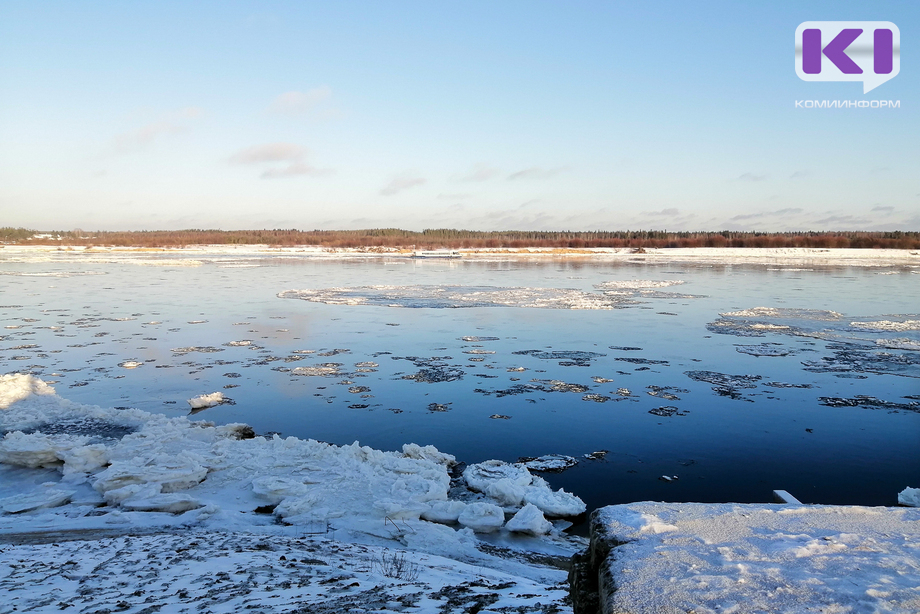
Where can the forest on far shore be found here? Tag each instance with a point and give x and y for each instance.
(445, 238)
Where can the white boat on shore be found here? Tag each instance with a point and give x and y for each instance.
(440, 253)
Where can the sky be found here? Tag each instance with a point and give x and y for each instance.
(479, 115)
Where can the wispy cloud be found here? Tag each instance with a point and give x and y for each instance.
(401, 183)
(313, 101)
(479, 172)
(295, 170)
(279, 152)
(143, 137)
(844, 220)
(269, 152)
(456, 196)
(766, 214)
(799, 175)
(751, 177)
(883, 209)
(663, 213)
(536, 172)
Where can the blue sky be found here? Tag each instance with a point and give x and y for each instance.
(480, 115)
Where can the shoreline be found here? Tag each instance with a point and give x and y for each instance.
(869, 257)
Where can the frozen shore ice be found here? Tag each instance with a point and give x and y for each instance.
(203, 474)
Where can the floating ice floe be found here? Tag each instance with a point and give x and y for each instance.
(449, 296)
(319, 370)
(207, 400)
(901, 343)
(635, 284)
(204, 349)
(887, 325)
(763, 349)
(130, 364)
(784, 312)
(550, 462)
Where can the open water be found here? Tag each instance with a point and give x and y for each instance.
(731, 380)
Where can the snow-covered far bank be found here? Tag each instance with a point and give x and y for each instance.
(691, 557)
(248, 255)
(66, 465)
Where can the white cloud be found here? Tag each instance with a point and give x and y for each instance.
(143, 137)
(480, 172)
(663, 213)
(401, 183)
(279, 152)
(296, 169)
(269, 152)
(751, 177)
(536, 172)
(299, 103)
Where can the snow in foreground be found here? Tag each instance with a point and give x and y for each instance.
(691, 557)
(235, 572)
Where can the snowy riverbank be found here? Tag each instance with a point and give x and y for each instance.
(195, 255)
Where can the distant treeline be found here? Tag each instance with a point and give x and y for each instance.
(457, 239)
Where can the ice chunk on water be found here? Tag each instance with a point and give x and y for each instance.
(551, 463)
(413, 450)
(207, 400)
(149, 498)
(172, 472)
(512, 484)
(482, 517)
(15, 387)
(479, 476)
(909, 497)
(84, 459)
(44, 497)
(444, 512)
(506, 492)
(33, 450)
(636, 284)
(553, 503)
(529, 520)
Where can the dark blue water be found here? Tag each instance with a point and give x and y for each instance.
(725, 440)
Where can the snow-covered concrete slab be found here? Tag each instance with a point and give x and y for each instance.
(703, 558)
